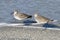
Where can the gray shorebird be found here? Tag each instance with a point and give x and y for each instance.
(20, 16)
(41, 19)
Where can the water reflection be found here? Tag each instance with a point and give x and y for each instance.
(47, 25)
(29, 22)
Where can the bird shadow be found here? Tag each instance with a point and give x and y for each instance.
(47, 25)
(29, 22)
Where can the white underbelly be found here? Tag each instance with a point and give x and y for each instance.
(18, 18)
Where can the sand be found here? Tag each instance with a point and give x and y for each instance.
(21, 33)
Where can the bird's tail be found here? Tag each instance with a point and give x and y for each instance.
(29, 16)
(54, 20)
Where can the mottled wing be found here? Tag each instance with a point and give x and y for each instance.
(42, 18)
(22, 15)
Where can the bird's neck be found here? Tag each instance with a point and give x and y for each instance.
(15, 13)
(35, 15)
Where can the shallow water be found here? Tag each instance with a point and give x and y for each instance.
(47, 8)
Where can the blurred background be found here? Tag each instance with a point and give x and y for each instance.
(47, 8)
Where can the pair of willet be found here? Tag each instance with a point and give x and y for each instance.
(38, 18)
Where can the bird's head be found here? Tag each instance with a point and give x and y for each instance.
(14, 12)
(36, 14)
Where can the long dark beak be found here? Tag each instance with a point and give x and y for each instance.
(12, 13)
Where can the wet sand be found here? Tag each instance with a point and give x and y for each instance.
(21, 33)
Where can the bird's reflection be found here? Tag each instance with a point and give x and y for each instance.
(29, 22)
(47, 25)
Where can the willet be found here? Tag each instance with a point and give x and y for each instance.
(41, 19)
(21, 16)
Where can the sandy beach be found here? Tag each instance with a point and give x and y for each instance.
(46, 8)
(21, 33)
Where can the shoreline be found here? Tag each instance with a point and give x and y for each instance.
(20, 33)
